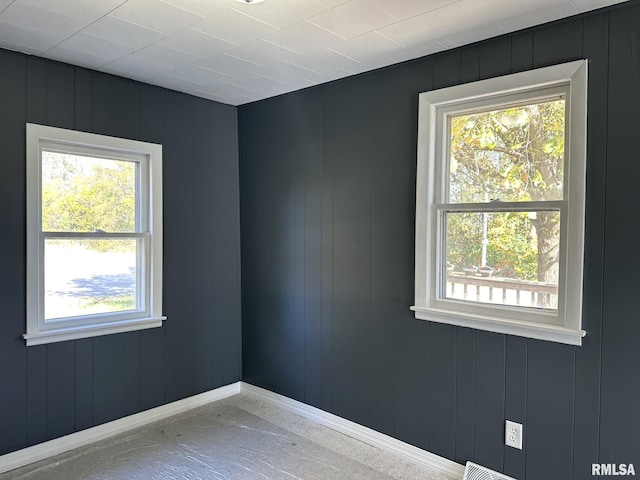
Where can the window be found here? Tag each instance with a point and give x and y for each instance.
(500, 204)
(94, 235)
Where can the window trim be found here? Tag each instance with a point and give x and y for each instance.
(149, 156)
(505, 90)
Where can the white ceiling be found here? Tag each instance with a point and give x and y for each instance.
(236, 53)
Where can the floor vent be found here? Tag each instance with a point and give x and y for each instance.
(478, 472)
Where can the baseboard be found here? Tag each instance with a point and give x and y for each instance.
(60, 445)
(48, 449)
(439, 464)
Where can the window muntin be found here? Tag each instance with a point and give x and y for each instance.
(508, 188)
(94, 235)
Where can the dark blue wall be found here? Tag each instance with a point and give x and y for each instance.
(52, 390)
(327, 182)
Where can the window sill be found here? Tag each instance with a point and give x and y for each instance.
(77, 332)
(538, 331)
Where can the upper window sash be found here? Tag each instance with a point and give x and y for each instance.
(142, 173)
(444, 112)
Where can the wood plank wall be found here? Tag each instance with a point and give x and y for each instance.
(52, 390)
(327, 218)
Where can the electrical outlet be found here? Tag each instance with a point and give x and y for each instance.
(513, 434)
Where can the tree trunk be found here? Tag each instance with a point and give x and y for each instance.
(546, 232)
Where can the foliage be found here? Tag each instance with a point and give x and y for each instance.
(464, 239)
(82, 194)
(510, 155)
(114, 303)
(511, 248)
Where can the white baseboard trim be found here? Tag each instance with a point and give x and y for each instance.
(439, 464)
(28, 455)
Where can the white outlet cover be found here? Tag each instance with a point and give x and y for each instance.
(513, 433)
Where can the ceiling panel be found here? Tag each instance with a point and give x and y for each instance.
(283, 13)
(234, 27)
(82, 11)
(136, 64)
(82, 59)
(587, 5)
(200, 75)
(367, 46)
(298, 84)
(156, 15)
(237, 53)
(373, 63)
(454, 24)
(165, 56)
(126, 33)
(262, 51)
(225, 89)
(334, 75)
(34, 18)
(33, 41)
(204, 8)
(227, 63)
(173, 82)
(255, 83)
(127, 73)
(196, 43)
(222, 94)
(325, 60)
(96, 47)
(304, 37)
(410, 8)
(415, 31)
(331, 3)
(416, 52)
(463, 38)
(535, 16)
(285, 72)
(353, 18)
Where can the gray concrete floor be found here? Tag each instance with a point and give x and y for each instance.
(236, 438)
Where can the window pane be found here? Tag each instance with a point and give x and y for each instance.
(506, 258)
(82, 194)
(86, 276)
(512, 154)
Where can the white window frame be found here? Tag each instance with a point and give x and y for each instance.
(563, 325)
(148, 233)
